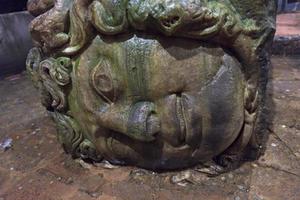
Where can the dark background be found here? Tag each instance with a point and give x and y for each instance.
(7, 6)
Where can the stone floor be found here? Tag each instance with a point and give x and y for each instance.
(288, 24)
(36, 168)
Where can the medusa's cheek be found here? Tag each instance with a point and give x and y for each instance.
(202, 112)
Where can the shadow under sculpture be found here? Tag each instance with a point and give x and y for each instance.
(152, 83)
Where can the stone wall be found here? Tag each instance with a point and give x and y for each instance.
(288, 5)
(15, 42)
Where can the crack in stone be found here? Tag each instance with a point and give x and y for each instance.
(277, 169)
(277, 137)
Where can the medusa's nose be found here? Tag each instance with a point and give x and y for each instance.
(142, 122)
(138, 121)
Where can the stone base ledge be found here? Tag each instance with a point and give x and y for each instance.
(286, 45)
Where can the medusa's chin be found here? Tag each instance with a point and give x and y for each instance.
(153, 103)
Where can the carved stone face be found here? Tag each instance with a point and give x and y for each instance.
(154, 102)
(129, 80)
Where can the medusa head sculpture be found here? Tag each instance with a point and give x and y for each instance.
(159, 84)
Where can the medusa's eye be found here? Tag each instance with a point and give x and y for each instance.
(103, 81)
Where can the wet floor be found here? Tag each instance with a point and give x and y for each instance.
(34, 167)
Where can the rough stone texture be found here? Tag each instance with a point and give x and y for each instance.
(36, 168)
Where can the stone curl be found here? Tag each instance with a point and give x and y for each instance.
(69, 25)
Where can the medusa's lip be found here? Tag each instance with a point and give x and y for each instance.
(180, 114)
(189, 122)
